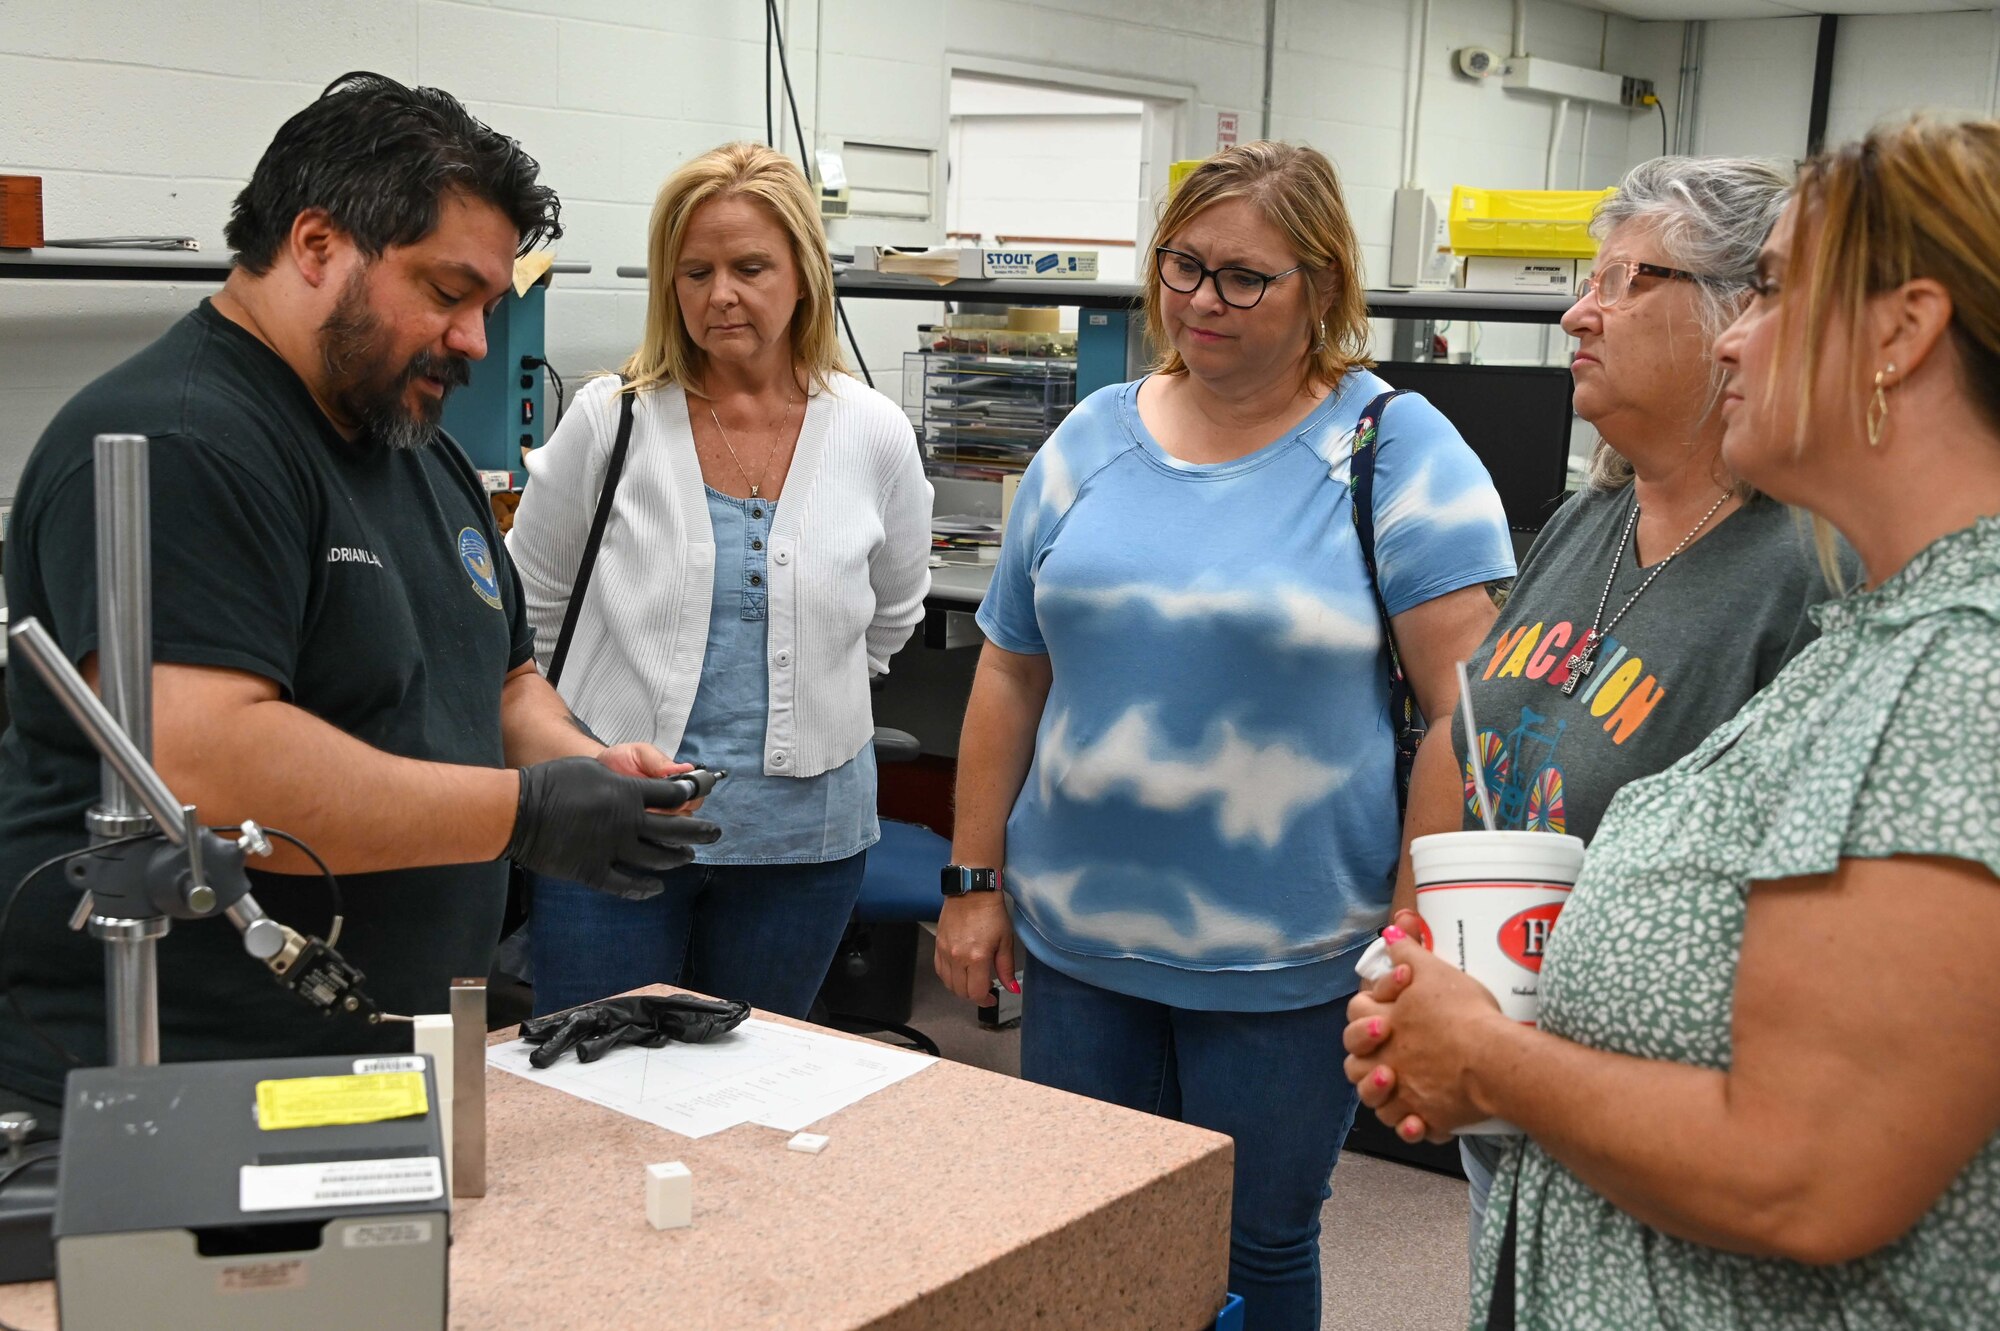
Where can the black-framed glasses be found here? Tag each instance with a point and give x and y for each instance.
(1614, 280)
(1239, 287)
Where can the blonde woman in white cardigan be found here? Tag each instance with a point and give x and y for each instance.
(767, 552)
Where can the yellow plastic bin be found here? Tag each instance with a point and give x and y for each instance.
(1525, 223)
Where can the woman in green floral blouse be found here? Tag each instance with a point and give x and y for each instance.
(1765, 1092)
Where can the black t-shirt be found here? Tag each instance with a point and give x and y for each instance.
(370, 584)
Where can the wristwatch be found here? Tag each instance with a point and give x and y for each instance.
(957, 880)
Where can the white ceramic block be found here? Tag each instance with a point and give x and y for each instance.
(669, 1196)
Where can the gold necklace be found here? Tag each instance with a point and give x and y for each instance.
(757, 483)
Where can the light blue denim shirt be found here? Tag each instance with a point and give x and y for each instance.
(765, 819)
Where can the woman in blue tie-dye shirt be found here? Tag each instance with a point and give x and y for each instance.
(1178, 746)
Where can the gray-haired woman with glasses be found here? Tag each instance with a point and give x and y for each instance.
(1657, 601)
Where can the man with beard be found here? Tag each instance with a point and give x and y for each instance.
(339, 643)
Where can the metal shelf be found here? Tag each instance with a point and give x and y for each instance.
(1489, 306)
(94, 265)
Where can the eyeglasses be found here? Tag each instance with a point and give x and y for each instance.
(1240, 288)
(1614, 280)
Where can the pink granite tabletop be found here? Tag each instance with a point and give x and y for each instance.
(956, 1198)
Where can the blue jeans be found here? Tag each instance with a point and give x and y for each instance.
(1270, 1080)
(1481, 1158)
(763, 933)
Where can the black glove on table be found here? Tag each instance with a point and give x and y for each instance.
(650, 1020)
(580, 820)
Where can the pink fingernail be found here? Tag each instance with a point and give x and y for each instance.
(1375, 1028)
(1408, 1131)
(1392, 934)
(1381, 1076)
(1013, 986)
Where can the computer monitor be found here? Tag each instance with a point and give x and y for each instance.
(1517, 419)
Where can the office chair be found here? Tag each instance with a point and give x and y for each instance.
(869, 987)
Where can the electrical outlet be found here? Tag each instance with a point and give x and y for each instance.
(1637, 92)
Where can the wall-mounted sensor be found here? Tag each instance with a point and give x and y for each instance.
(1476, 62)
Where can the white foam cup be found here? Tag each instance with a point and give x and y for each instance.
(1488, 902)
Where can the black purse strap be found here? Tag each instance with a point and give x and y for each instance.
(1405, 720)
(581, 583)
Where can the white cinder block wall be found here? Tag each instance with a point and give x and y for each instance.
(145, 116)
(1883, 67)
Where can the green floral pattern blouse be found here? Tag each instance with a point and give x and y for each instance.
(1883, 738)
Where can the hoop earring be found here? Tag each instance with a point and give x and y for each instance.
(1878, 408)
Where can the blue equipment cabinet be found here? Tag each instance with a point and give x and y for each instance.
(501, 411)
(1103, 348)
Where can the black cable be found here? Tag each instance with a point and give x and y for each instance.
(332, 883)
(550, 370)
(542, 363)
(23, 1165)
(1661, 107)
(7, 918)
(785, 71)
(770, 130)
(805, 160)
(841, 310)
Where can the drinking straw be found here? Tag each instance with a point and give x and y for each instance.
(1473, 757)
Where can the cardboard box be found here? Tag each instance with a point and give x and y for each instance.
(1076, 264)
(1542, 277)
(20, 212)
(949, 264)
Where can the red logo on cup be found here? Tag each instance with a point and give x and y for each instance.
(1526, 937)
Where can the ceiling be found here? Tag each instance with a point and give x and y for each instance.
(1702, 9)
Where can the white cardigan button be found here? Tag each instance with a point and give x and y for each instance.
(783, 656)
(778, 760)
(782, 556)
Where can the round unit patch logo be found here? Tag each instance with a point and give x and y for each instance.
(478, 561)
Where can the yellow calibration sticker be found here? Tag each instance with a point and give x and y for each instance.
(323, 1102)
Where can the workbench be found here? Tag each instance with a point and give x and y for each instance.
(955, 1198)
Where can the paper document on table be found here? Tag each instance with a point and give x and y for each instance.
(761, 1072)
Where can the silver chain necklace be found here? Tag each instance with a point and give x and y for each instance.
(756, 483)
(1583, 660)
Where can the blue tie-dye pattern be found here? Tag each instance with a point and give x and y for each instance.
(1209, 820)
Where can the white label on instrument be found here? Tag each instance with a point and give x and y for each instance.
(387, 1234)
(364, 1067)
(339, 1183)
(259, 1276)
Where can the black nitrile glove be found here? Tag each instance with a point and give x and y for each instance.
(642, 1019)
(580, 820)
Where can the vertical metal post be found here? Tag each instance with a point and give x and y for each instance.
(468, 1093)
(125, 602)
(131, 988)
(125, 682)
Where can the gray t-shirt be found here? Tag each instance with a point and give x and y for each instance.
(1714, 628)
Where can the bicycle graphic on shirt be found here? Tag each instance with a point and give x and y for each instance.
(1521, 775)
